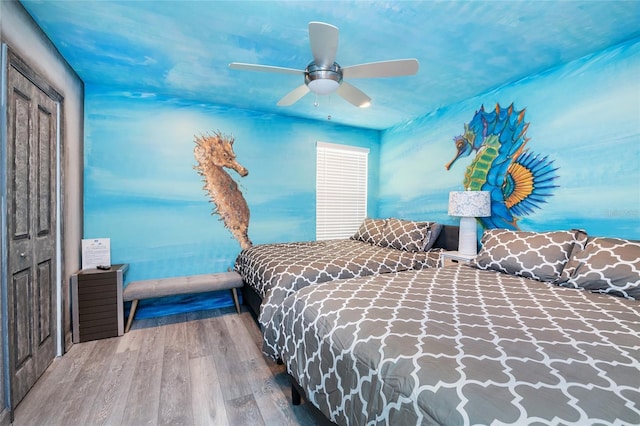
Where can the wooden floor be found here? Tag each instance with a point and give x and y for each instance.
(201, 368)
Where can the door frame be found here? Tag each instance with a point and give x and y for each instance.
(9, 58)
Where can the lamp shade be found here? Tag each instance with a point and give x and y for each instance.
(470, 203)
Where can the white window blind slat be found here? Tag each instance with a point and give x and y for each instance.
(341, 190)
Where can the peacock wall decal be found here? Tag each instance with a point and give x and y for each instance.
(214, 153)
(518, 180)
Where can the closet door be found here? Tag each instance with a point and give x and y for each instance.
(31, 223)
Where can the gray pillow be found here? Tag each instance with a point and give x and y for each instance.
(407, 235)
(538, 255)
(370, 231)
(605, 265)
(434, 232)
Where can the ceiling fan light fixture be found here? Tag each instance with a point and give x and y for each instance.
(323, 86)
(323, 81)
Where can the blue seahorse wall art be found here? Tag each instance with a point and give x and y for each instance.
(518, 180)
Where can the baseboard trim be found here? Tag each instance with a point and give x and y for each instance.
(68, 341)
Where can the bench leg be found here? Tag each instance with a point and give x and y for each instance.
(234, 291)
(132, 312)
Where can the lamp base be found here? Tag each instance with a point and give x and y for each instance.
(468, 236)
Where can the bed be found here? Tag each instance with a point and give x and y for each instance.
(272, 272)
(542, 328)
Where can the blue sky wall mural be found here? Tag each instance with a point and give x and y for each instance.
(143, 192)
(584, 117)
(141, 189)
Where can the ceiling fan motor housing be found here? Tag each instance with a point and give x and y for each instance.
(323, 80)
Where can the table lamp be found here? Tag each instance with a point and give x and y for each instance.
(469, 205)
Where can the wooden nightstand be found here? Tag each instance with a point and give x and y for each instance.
(448, 258)
(97, 310)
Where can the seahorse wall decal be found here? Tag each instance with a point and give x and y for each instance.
(518, 180)
(214, 153)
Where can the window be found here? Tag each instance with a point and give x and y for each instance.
(341, 190)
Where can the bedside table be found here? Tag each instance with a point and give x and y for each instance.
(97, 311)
(448, 258)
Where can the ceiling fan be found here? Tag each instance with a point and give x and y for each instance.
(324, 76)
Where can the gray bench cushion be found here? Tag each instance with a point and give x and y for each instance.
(181, 285)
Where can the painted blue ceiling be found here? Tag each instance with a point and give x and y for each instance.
(182, 49)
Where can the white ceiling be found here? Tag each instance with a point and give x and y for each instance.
(181, 49)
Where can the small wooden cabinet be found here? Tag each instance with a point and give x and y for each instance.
(97, 306)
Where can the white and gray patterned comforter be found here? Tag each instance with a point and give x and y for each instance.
(461, 346)
(276, 271)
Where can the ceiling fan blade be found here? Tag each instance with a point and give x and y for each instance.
(294, 96)
(263, 68)
(323, 39)
(353, 95)
(393, 68)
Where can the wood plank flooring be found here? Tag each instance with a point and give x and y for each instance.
(200, 368)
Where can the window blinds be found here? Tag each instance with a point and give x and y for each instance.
(341, 190)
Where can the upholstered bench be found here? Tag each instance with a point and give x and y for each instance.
(137, 290)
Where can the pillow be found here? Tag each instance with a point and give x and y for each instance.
(605, 265)
(406, 235)
(434, 232)
(538, 255)
(370, 231)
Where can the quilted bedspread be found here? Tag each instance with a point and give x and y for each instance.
(461, 346)
(277, 270)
